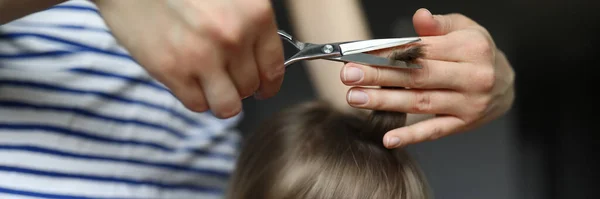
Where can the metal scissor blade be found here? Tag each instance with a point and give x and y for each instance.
(374, 44)
(372, 60)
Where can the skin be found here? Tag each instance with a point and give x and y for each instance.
(466, 81)
(314, 21)
(211, 54)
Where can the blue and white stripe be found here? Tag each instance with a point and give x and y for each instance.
(79, 118)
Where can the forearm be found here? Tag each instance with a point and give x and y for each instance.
(320, 21)
(14, 9)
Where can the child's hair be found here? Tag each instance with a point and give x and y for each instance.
(312, 151)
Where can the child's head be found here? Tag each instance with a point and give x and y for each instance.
(313, 151)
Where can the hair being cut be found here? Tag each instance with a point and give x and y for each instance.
(312, 151)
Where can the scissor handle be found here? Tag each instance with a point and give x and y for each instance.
(313, 51)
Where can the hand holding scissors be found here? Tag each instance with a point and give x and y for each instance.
(209, 54)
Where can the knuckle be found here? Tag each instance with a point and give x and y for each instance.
(371, 76)
(262, 13)
(232, 39)
(436, 133)
(269, 53)
(196, 105)
(374, 102)
(274, 74)
(481, 106)
(418, 78)
(166, 64)
(255, 85)
(275, 69)
(223, 29)
(248, 89)
(485, 79)
(422, 103)
(377, 77)
(461, 16)
(210, 25)
(197, 52)
(484, 104)
(480, 45)
(198, 21)
(412, 136)
(418, 134)
(229, 37)
(275, 54)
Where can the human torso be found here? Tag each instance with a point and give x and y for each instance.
(79, 118)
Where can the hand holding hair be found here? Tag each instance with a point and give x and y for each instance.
(465, 81)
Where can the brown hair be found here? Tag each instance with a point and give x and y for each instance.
(312, 151)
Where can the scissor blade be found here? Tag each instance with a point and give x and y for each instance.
(372, 60)
(375, 44)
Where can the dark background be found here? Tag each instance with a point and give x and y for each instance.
(544, 147)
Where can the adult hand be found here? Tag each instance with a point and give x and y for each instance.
(210, 54)
(465, 81)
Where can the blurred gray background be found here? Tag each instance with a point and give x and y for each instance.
(544, 147)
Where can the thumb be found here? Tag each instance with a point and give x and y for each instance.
(427, 24)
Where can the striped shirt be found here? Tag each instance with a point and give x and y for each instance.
(80, 119)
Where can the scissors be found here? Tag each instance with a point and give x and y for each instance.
(352, 51)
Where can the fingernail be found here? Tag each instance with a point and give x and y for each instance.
(230, 113)
(357, 97)
(427, 10)
(392, 142)
(353, 74)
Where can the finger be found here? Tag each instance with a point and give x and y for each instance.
(466, 39)
(172, 71)
(407, 100)
(269, 57)
(219, 89)
(243, 70)
(186, 89)
(191, 95)
(426, 130)
(444, 48)
(426, 24)
(221, 93)
(434, 75)
(455, 47)
(468, 45)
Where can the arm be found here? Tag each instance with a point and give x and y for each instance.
(328, 21)
(14, 9)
